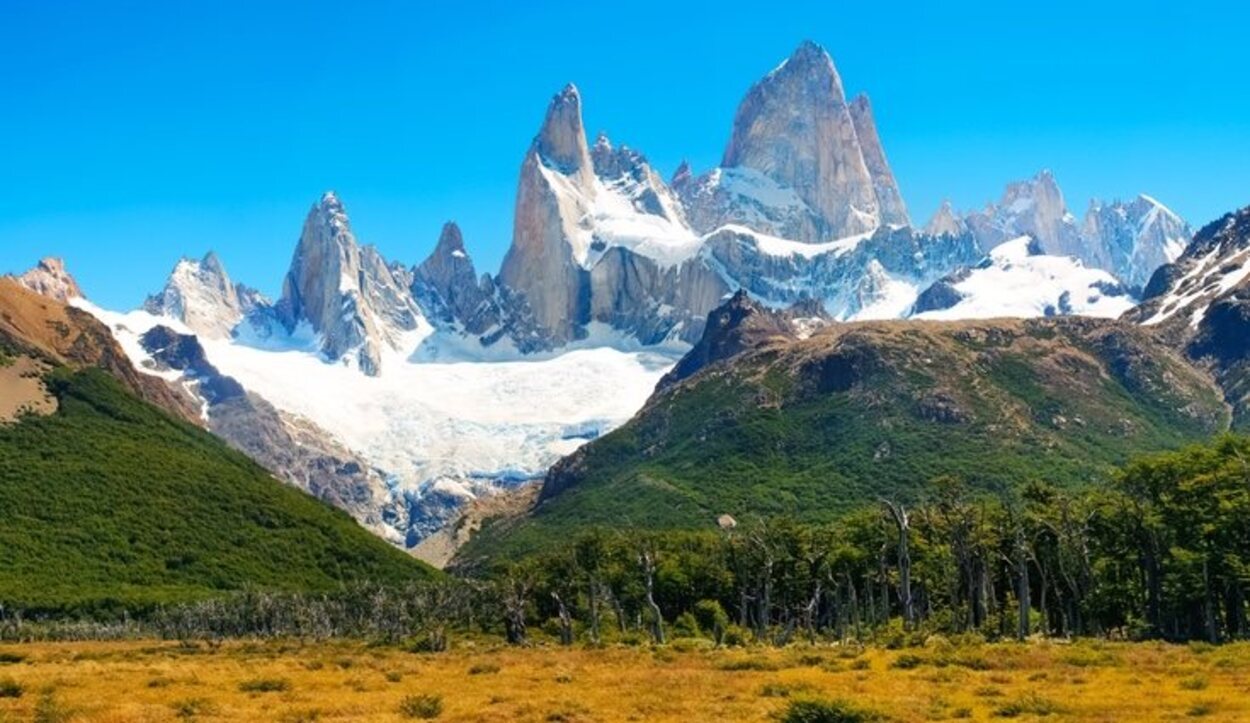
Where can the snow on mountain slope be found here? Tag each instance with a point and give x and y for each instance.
(1016, 282)
(456, 428)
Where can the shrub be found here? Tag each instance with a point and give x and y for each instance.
(712, 617)
(50, 710)
(423, 707)
(265, 685)
(1031, 704)
(193, 707)
(907, 661)
(486, 668)
(736, 636)
(783, 690)
(10, 658)
(827, 711)
(686, 626)
(1194, 682)
(10, 688)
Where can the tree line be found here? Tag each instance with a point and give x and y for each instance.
(1163, 552)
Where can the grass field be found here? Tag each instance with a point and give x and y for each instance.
(158, 681)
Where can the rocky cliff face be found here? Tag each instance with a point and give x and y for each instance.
(201, 295)
(795, 127)
(889, 199)
(1134, 239)
(549, 237)
(49, 278)
(347, 294)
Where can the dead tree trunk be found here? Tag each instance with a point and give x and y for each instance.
(657, 620)
(899, 513)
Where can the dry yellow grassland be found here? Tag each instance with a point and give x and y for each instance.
(340, 681)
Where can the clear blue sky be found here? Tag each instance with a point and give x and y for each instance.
(135, 133)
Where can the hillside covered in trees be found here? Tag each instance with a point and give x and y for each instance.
(112, 504)
(758, 421)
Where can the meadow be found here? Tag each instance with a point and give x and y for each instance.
(121, 682)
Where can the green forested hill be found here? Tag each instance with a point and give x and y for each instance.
(112, 503)
(812, 428)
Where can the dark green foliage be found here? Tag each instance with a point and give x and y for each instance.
(111, 504)
(1163, 551)
(827, 711)
(814, 435)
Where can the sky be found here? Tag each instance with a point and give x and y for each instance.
(136, 133)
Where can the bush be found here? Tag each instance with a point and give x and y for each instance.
(1031, 704)
(423, 707)
(1194, 682)
(193, 707)
(10, 688)
(827, 711)
(783, 690)
(686, 626)
(736, 636)
(712, 618)
(49, 710)
(265, 685)
(907, 661)
(9, 658)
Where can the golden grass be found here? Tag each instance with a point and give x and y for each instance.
(341, 681)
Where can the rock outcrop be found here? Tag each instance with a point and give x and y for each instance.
(447, 287)
(201, 295)
(49, 278)
(47, 329)
(1132, 239)
(347, 294)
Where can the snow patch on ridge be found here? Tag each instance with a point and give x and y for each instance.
(1016, 283)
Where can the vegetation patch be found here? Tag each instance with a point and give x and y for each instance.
(422, 707)
(828, 711)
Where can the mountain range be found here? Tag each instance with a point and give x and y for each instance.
(399, 391)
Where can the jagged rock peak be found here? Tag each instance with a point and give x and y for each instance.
(561, 142)
(811, 60)
(944, 222)
(50, 278)
(450, 241)
(347, 293)
(794, 127)
(889, 198)
(683, 175)
(201, 295)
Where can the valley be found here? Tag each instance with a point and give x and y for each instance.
(747, 441)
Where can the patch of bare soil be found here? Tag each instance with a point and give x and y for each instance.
(22, 390)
